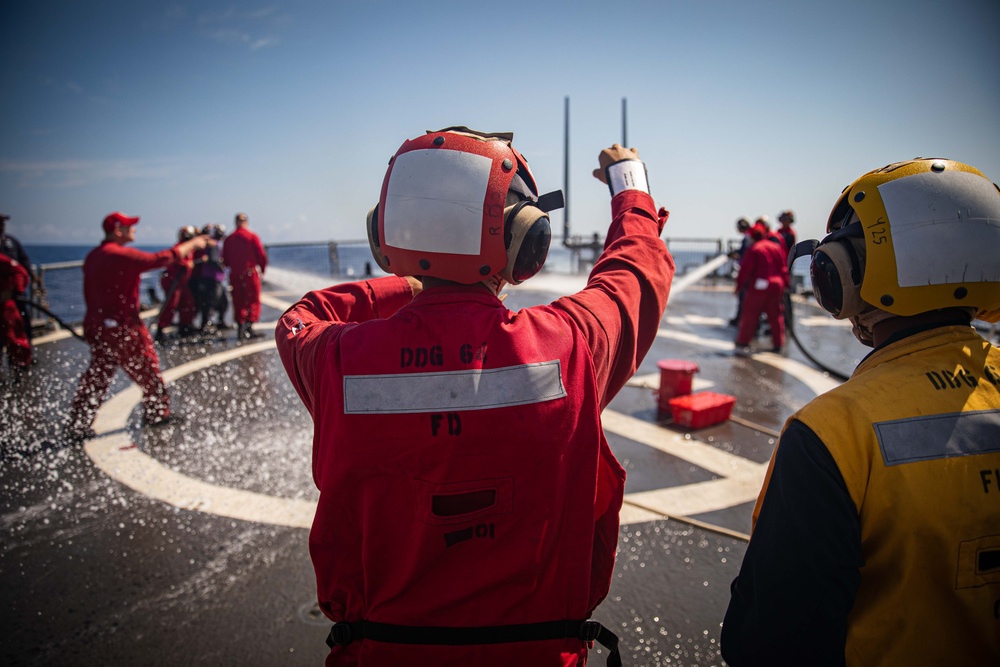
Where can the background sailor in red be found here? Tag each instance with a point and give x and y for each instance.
(244, 254)
(178, 299)
(11, 247)
(112, 327)
(787, 233)
(763, 279)
(13, 280)
(207, 282)
(743, 227)
(764, 223)
(469, 501)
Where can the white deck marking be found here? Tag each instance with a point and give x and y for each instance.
(652, 381)
(276, 303)
(816, 381)
(739, 480)
(701, 454)
(120, 459)
(60, 334)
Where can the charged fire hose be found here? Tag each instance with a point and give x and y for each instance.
(790, 326)
(58, 320)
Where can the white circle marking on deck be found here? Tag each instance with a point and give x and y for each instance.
(739, 479)
(115, 454)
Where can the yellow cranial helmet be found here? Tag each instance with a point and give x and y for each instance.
(931, 236)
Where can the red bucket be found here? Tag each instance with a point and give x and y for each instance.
(702, 409)
(675, 380)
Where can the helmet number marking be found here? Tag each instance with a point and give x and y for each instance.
(878, 231)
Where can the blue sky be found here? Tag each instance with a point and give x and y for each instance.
(187, 112)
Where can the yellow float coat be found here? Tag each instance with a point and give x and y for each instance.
(916, 436)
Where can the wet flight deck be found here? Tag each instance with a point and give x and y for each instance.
(187, 544)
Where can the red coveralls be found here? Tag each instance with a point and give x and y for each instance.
(13, 336)
(178, 296)
(764, 278)
(464, 476)
(243, 253)
(117, 337)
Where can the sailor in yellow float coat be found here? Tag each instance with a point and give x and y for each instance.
(876, 536)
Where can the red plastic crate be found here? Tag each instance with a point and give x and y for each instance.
(702, 409)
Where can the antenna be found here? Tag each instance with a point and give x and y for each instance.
(566, 170)
(624, 122)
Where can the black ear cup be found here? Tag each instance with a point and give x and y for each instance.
(527, 234)
(827, 288)
(373, 240)
(837, 270)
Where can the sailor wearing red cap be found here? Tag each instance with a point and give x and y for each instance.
(469, 500)
(244, 254)
(112, 327)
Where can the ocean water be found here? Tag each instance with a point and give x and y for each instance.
(59, 266)
(63, 277)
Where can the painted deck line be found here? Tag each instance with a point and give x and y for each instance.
(739, 479)
(61, 333)
(818, 382)
(118, 458)
(652, 381)
(716, 461)
(115, 454)
(276, 303)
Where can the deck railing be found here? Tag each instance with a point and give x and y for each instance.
(61, 288)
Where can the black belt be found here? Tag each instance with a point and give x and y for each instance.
(344, 633)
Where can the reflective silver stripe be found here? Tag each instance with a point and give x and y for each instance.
(453, 391)
(939, 436)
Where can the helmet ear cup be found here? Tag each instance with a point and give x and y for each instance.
(837, 270)
(373, 240)
(527, 234)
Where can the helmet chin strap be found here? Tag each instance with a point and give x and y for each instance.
(865, 321)
(494, 284)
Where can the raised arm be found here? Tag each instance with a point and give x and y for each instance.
(621, 306)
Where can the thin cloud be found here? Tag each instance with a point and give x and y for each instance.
(261, 13)
(171, 17)
(233, 36)
(237, 28)
(263, 43)
(69, 173)
(232, 14)
(230, 36)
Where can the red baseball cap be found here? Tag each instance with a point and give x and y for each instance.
(118, 219)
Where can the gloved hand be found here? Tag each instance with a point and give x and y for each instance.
(621, 169)
(607, 157)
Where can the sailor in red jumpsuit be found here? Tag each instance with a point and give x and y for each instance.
(117, 337)
(787, 234)
(764, 278)
(177, 294)
(469, 500)
(13, 280)
(243, 253)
